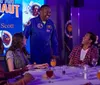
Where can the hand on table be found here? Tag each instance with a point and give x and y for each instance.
(41, 66)
(30, 67)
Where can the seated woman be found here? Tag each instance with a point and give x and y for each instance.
(4, 76)
(84, 53)
(17, 56)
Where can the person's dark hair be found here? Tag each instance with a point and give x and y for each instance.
(1, 46)
(92, 37)
(43, 6)
(17, 42)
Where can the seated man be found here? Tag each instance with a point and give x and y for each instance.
(84, 53)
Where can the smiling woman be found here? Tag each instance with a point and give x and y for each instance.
(3, 25)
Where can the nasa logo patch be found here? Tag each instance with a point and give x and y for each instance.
(40, 25)
(49, 27)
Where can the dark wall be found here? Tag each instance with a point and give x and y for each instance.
(59, 15)
(88, 20)
(90, 17)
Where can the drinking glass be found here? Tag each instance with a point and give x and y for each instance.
(53, 63)
(49, 74)
(94, 62)
(98, 74)
(64, 69)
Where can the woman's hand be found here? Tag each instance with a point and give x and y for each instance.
(41, 66)
(30, 67)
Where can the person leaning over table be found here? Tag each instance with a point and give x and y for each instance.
(17, 56)
(86, 52)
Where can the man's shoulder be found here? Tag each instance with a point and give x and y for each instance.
(50, 21)
(78, 46)
(93, 47)
(30, 21)
(34, 18)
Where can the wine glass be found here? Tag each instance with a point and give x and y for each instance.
(49, 74)
(53, 63)
(63, 67)
(94, 62)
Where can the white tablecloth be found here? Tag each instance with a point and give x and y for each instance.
(73, 76)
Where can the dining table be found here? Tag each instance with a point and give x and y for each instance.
(66, 75)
